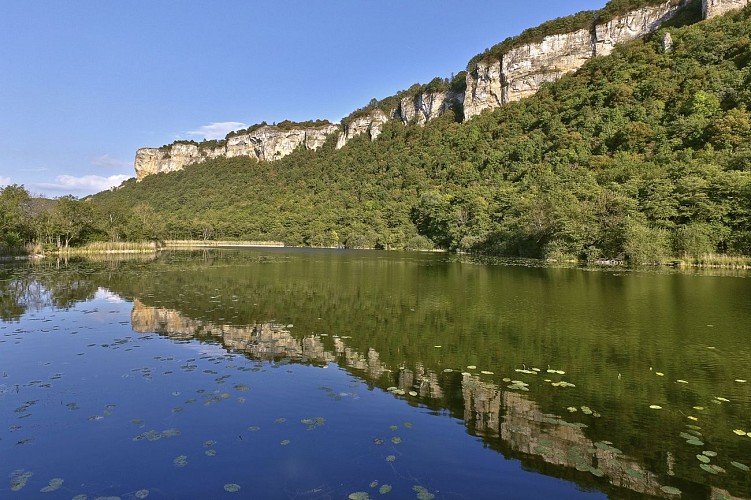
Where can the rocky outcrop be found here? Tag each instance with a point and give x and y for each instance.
(156, 160)
(370, 123)
(267, 143)
(424, 107)
(633, 25)
(521, 70)
(484, 88)
(714, 8)
(525, 68)
(491, 83)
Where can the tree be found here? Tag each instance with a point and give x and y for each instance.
(72, 219)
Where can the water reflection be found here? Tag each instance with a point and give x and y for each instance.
(425, 328)
(510, 421)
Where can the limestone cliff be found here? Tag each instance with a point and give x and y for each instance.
(525, 68)
(426, 106)
(370, 123)
(522, 69)
(509, 72)
(266, 143)
(714, 8)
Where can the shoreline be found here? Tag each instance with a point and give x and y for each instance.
(736, 263)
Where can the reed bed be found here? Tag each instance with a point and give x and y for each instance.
(220, 243)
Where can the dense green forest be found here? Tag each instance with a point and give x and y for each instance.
(642, 155)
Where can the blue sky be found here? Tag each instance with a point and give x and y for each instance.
(84, 83)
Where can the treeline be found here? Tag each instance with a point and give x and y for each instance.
(36, 225)
(643, 155)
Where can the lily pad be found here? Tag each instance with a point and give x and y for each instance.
(655, 407)
(384, 489)
(232, 487)
(19, 478)
(53, 485)
(703, 458)
(708, 468)
(670, 490)
(141, 493)
(359, 495)
(740, 466)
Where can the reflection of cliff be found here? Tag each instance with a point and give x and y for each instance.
(272, 341)
(522, 426)
(506, 417)
(262, 340)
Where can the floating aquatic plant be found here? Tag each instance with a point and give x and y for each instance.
(53, 485)
(232, 487)
(423, 493)
(740, 466)
(19, 478)
(670, 490)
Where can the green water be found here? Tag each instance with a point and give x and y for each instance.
(655, 368)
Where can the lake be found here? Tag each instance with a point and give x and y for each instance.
(291, 373)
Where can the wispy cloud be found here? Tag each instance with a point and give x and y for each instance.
(4, 181)
(216, 130)
(84, 184)
(109, 162)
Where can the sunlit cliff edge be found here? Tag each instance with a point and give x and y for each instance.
(493, 79)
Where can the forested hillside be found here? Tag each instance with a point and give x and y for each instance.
(642, 155)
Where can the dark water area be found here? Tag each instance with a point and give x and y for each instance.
(281, 373)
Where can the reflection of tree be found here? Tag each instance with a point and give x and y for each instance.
(18, 294)
(65, 294)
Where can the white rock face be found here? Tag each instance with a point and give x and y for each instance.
(267, 143)
(520, 71)
(484, 89)
(714, 8)
(424, 107)
(527, 67)
(631, 26)
(371, 123)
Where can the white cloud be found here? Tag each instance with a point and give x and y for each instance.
(85, 183)
(107, 161)
(4, 181)
(216, 130)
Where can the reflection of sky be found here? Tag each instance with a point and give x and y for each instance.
(111, 297)
(105, 304)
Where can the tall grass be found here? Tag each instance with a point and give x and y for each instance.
(113, 247)
(716, 260)
(221, 243)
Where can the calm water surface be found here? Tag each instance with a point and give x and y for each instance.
(331, 374)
